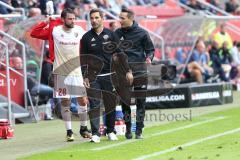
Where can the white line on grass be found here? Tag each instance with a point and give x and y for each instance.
(188, 144)
(159, 133)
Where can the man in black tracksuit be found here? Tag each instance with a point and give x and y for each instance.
(94, 43)
(135, 42)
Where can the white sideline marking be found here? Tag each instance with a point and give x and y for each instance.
(159, 133)
(188, 144)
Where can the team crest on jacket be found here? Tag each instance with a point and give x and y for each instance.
(76, 34)
(62, 35)
(105, 37)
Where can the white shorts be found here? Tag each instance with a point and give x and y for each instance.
(68, 86)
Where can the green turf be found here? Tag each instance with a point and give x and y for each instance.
(221, 148)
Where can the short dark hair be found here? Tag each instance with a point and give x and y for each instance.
(129, 12)
(96, 10)
(66, 11)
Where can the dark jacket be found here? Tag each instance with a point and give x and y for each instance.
(136, 43)
(99, 46)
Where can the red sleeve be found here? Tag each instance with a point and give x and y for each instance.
(40, 31)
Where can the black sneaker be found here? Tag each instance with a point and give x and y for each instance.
(69, 137)
(128, 133)
(84, 132)
(138, 134)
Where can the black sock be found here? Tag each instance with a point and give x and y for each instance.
(83, 128)
(69, 132)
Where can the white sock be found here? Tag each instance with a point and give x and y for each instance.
(68, 125)
(82, 111)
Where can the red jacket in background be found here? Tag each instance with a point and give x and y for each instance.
(43, 31)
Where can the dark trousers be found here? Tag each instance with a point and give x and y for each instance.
(218, 68)
(103, 86)
(46, 71)
(126, 93)
(140, 112)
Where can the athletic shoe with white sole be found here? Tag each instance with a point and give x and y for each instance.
(112, 136)
(84, 132)
(70, 137)
(95, 139)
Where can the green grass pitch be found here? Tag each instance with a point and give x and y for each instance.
(207, 137)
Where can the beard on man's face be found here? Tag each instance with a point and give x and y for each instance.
(71, 25)
(95, 25)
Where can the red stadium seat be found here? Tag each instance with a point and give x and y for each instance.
(1, 24)
(163, 11)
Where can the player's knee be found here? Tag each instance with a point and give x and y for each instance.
(65, 102)
(83, 101)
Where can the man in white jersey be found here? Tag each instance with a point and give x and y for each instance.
(68, 81)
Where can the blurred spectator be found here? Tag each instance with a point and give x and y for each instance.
(42, 6)
(235, 52)
(222, 36)
(34, 12)
(47, 67)
(32, 4)
(231, 6)
(87, 9)
(77, 11)
(225, 55)
(17, 63)
(216, 61)
(195, 5)
(78, 6)
(198, 66)
(117, 5)
(186, 75)
(181, 55)
(92, 6)
(18, 4)
(73, 3)
(33, 69)
(215, 3)
(103, 4)
(204, 58)
(226, 58)
(113, 26)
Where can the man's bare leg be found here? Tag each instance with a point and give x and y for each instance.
(82, 112)
(66, 115)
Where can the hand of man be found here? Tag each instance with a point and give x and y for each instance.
(148, 60)
(129, 77)
(86, 83)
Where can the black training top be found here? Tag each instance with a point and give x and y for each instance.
(136, 43)
(102, 46)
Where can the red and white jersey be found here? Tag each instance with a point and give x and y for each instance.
(66, 49)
